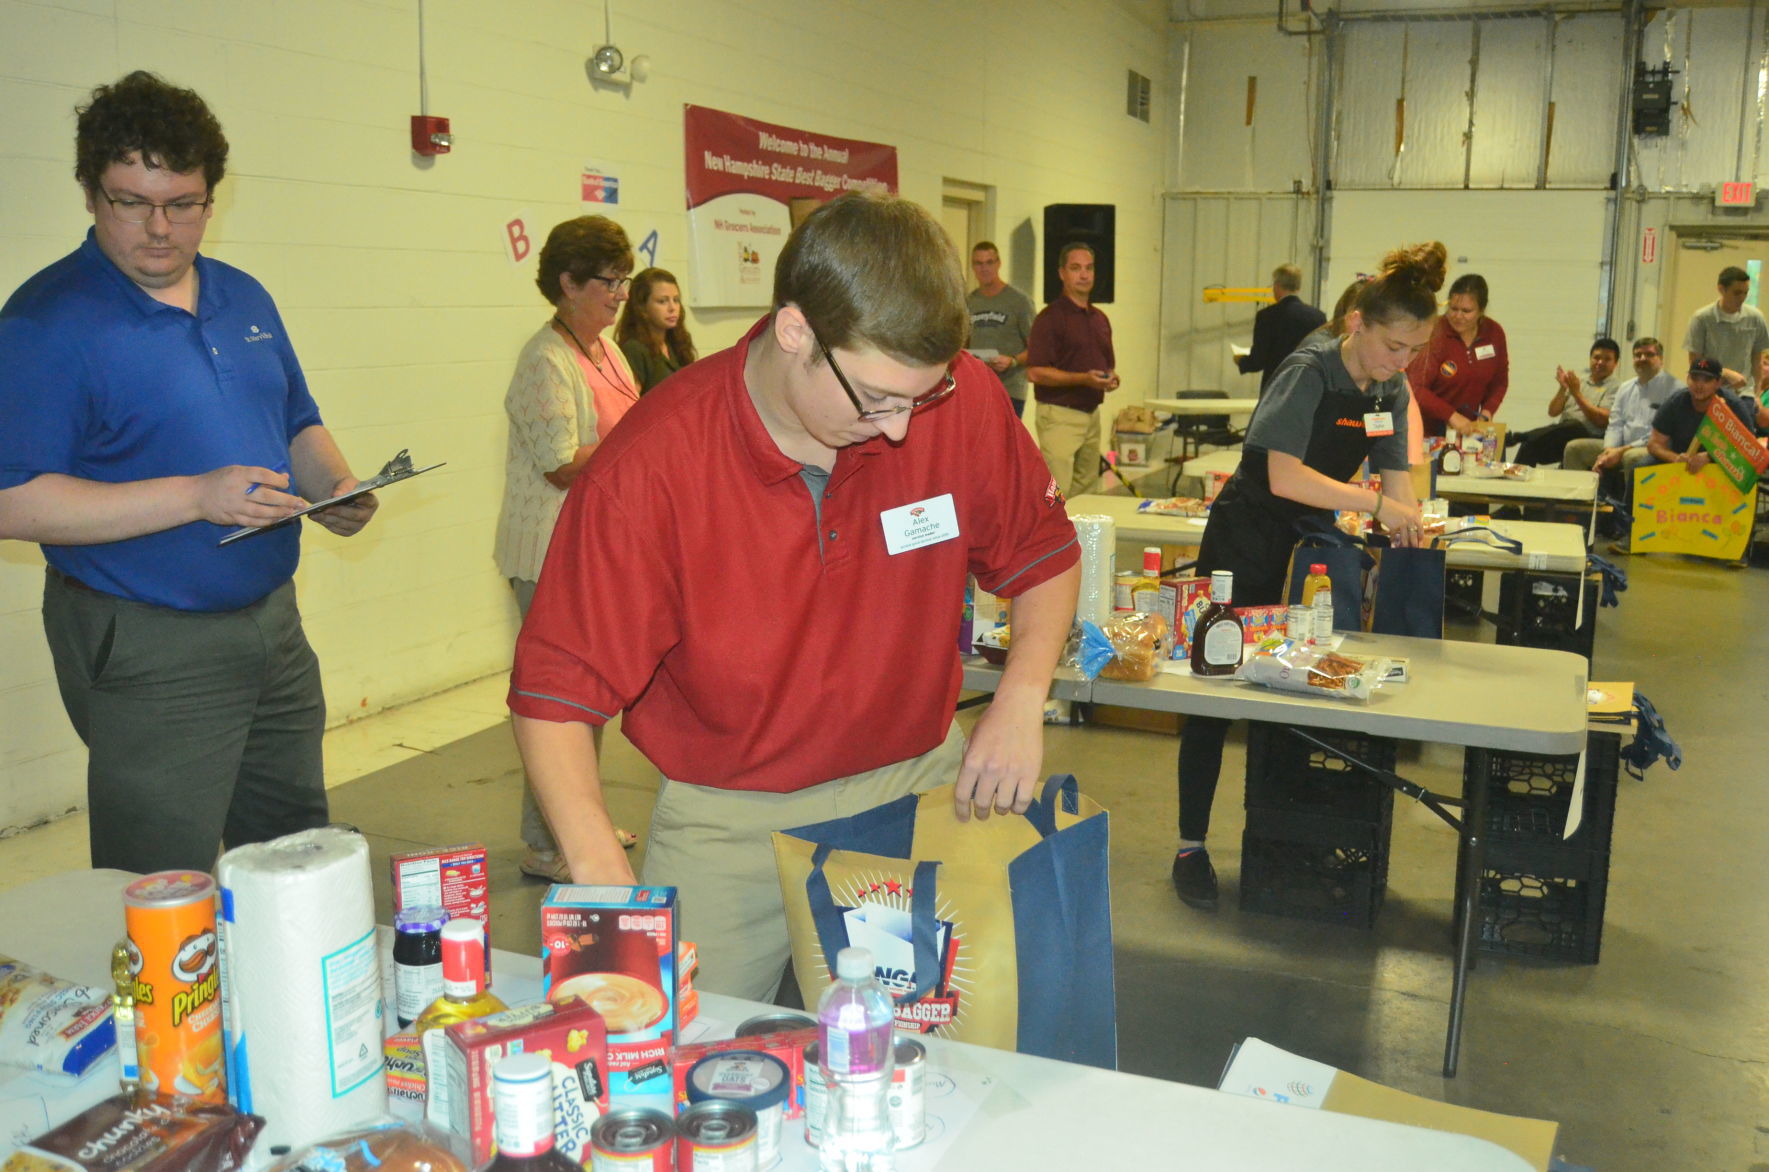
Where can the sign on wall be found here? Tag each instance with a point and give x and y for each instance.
(749, 183)
(1676, 511)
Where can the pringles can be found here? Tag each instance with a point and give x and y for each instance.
(173, 957)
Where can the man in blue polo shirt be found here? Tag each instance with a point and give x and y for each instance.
(149, 403)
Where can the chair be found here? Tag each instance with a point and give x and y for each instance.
(1194, 431)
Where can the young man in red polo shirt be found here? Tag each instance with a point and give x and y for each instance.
(778, 618)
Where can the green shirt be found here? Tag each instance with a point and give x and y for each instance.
(649, 367)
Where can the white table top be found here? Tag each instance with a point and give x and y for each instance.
(1479, 695)
(1202, 406)
(1224, 460)
(1556, 485)
(1552, 546)
(1031, 1113)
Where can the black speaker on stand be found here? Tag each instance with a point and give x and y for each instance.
(1092, 224)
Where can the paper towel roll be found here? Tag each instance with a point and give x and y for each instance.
(301, 985)
(1099, 561)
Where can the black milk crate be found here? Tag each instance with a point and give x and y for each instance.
(1314, 867)
(1529, 796)
(1539, 610)
(1461, 593)
(1284, 773)
(1536, 901)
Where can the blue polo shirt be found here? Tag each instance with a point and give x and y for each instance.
(101, 382)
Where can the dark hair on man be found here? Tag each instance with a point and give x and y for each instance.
(1649, 343)
(1608, 344)
(985, 246)
(1732, 274)
(583, 247)
(1407, 285)
(1287, 277)
(875, 270)
(636, 323)
(1062, 258)
(1471, 285)
(145, 117)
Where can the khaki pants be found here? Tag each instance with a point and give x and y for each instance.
(713, 847)
(1069, 441)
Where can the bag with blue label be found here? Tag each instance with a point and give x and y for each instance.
(994, 931)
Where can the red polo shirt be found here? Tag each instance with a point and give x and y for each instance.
(1450, 376)
(1072, 338)
(691, 584)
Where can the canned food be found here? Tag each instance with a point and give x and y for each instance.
(1123, 590)
(908, 1094)
(816, 1096)
(1299, 623)
(774, 1023)
(758, 1081)
(630, 1139)
(170, 918)
(718, 1135)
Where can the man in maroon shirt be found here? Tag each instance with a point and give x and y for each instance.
(778, 618)
(1070, 361)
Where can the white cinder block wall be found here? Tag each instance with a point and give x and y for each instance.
(389, 274)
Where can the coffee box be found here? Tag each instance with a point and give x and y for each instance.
(568, 1032)
(615, 947)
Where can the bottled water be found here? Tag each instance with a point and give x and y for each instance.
(855, 1054)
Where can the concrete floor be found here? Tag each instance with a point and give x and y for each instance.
(1655, 1058)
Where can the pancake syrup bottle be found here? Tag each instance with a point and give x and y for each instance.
(1217, 640)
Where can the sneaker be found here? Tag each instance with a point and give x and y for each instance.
(1620, 547)
(1195, 880)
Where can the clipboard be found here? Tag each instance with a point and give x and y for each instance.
(392, 472)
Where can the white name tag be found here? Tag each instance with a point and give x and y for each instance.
(926, 522)
(1378, 423)
(1484, 352)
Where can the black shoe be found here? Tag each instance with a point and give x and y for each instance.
(1195, 880)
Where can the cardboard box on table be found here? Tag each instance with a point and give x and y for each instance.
(1260, 1070)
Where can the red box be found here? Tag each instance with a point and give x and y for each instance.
(450, 877)
(1259, 623)
(1179, 596)
(786, 1045)
(569, 1032)
(616, 948)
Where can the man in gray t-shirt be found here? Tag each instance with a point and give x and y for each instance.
(1729, 330)
(1000, 320)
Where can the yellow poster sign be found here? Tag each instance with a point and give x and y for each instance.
(1676, 511)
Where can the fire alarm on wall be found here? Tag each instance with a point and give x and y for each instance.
(430, 135)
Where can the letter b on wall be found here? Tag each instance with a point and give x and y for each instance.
(1093, 224)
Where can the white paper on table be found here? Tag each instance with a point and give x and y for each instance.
(1238, 350)
(1575, 812)
(1259, 1070)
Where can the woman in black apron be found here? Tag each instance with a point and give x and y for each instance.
(1332, 403)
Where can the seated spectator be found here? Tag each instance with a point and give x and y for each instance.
(1623, 446)
(1581, 406)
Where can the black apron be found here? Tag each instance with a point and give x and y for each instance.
(1251, 530)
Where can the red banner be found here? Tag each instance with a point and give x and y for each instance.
(749, 183)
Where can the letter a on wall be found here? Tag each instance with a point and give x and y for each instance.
(1676, 511)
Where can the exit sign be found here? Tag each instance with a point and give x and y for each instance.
(1742, 194)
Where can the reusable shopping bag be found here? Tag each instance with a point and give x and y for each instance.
(995, 931)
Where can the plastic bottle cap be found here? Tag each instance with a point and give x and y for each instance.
(853, 964)
(464, 929)
(522, 1068)
(422, 918)
(1317, 568)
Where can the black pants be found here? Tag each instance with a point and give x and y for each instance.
(1546, 445)
(1257, 549)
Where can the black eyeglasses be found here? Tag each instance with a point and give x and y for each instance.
(947, 384)
(140, 211)
(615, 284)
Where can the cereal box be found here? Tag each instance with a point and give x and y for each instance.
(616, 948)
(452, 878)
